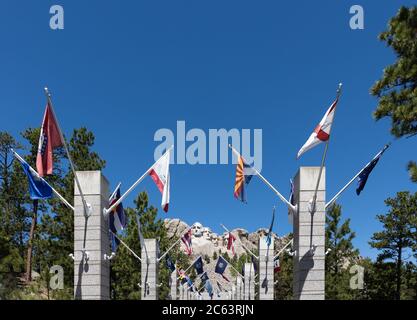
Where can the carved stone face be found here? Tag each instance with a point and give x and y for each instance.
(197, 229)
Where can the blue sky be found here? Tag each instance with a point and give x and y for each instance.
(126, 69)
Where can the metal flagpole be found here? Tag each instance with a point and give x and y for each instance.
(115, 190)
(282, 250)
(238, 273)
(267, 182)
(127, 247)
(241, 243)
(48, 96)
(106, 211)
(323, 160)
(357, 175)
(38, 176)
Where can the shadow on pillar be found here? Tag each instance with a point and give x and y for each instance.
(307, 263)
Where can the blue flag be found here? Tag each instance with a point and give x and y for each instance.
(38, 188)
(255, 264)
(117, 217)
(269, 234)
(363, 176)
(204, 277)
(221, 267)
(169, 263)
(209, 288)
(198, 265)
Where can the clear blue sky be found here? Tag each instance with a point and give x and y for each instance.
(125, 69)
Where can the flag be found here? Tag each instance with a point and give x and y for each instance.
(231, 243)
(322, 132)
(255, 265)
(114, 242)
(209, 288)
(49, 139)
(170, 265)
(198, 265)
(160, 175)
(204, 277)
(243, 177)
(269, 234)
(292, 201)
(277, 267)
(38, 188)
(186, 239)
(117, 217)
(141, 239)
(363, 176)
(221, 267)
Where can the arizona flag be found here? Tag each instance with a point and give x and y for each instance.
(49, 139)
(322, 132)
(160, 175)
(242, 179)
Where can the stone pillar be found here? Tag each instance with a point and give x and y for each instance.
(91, 235)
(182, 292)
(149, 270)
(249, 293)
(266, 269)
(239, 288)
(309, 236)
(174, 285)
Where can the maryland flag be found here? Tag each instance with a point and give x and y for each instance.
(243, 177)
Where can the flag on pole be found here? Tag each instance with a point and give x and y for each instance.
(231, 243)
(209, 288)
(221, 267)
(186, 239)
(38, 188)
(114, 242)
(255, 264)
(49, 139)
(269, 234)
(117, 217)
(160, 175)
(292, 201)
(244, 175)
(322, 132)
(204, 277)
(170, 265)
(363, 176)
(198, 265)
(277, 267)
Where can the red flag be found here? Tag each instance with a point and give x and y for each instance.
(49, 139)
(230, 242)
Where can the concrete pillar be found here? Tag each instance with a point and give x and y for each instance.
(249, 293)
(174, 285)
(182, 292)
(149, 270)
(266, 269)
(239, 287)
(91, 271)
(309, 236)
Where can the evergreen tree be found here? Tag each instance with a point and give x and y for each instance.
(397, 89)
(397, 235)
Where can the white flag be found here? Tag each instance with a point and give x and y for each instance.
(160, 175)
(322, 132)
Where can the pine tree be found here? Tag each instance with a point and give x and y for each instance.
(340, 255)
(397, 89)
(397, 235)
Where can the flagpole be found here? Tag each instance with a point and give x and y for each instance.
(106, 211)
(241, 243)
(266, 182)
(37, 175)
(238, 273)
(115, 190)
(354, 178)
(323, 160)
(48, 96)
(127, 247)
(282, 250)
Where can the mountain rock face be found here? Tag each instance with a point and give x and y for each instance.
(206, 242)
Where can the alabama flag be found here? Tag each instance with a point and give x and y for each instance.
(322, 132)
(49, 139)
(160, 175)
